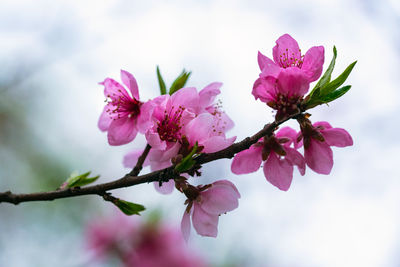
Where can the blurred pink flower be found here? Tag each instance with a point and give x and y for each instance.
(287, 54)
(206, 204)
(137, 243)
(123, 116)
(278, 156)
(317, 142)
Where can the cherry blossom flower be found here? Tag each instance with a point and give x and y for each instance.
(178, 122)
(283, 93)
(278, 156)
(287, 54)
(123, 116)
(190, 114)
(206, 204)
(317, 140)
(138, 243)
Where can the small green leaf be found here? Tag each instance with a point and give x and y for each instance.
(129, 208)
(179, 82)
(336, 94)
(327, 75)
(80, 180)
(314, 95)
(333, 85)
(161, 83)
(187, 162)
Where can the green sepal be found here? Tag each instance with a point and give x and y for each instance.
(161, 83)
(336, 94)
(80, 180)
(129, 208)
(179, 82)
(187, 162)
(333, 85)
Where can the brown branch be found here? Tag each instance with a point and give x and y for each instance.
(135, 172)
(132, 179)
(139, 164)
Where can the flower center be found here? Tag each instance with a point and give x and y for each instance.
(124, 106)
(220, 123)
(290, 60)
(169, 128)
(285, 105)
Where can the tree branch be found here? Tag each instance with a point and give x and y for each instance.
(132, 179)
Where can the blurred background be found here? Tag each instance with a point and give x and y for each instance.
(54, 53)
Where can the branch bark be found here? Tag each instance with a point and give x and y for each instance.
(132, 178)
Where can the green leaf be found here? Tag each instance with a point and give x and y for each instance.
(129, 208)
(333, 85)
(336, 94)
(187, 162)
(76, 180)
(327, 75)
(161, 83)
(316, 91)
(179, 82)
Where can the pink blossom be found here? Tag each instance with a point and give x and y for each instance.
(278, 156)
(123, 116)
(283, 93)
(137, 243)
(287, 54)
(178, 121)
(206, 204)
(192, 115)
(317, 141)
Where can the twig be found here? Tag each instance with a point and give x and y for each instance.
(131, 179)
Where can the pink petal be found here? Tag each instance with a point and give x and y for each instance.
(337, 137)
(199, 128)
(297, 145)
(159, 165)
(292, 82)
(247, 161)
(207, 94)
(130, 82)
(265, 89)
(279, 172)
(229, 184)
(185, 225)
(288, 133)
(296, 158)
(216, 143)
(121, 131)
(161, 159)
(319, 157)
(322, 124)
(154, 140)
(144, 121)
(225, 122)
(267, 66)
(131, 158)
(261, 59)
(104, 120)
(204, 223)
(114, 90)
(220, 198)
(166, 187)
(186, 97)
(313, 62)
(286, 42)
